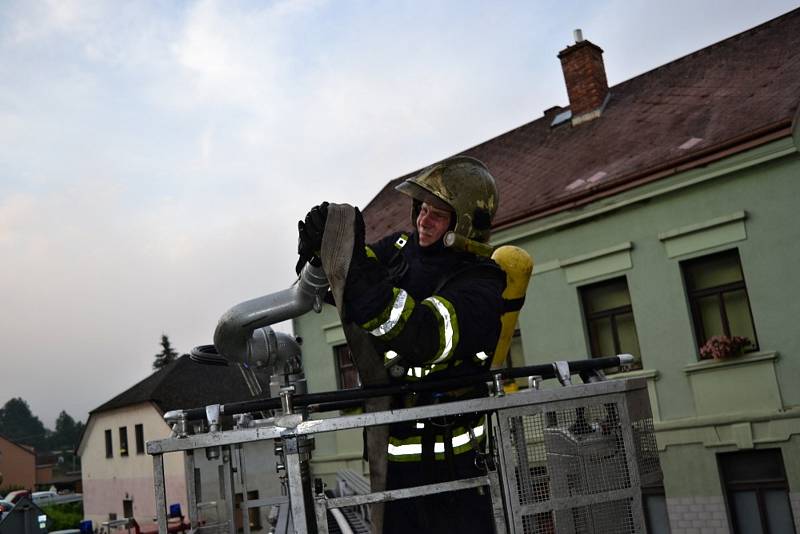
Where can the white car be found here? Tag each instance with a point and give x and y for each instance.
(43, 498)
(5, 507)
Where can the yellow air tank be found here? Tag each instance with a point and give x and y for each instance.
(518, 266)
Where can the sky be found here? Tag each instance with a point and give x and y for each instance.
(155, 156)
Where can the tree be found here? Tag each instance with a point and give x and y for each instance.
(67, 433)
(167, 354)
(18, 423)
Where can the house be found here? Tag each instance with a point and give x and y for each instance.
(55, 476)
(117, 474)
(58, 469)
(17, 464)
(660, 212)
(45, 473)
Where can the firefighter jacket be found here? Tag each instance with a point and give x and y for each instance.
(436, 312)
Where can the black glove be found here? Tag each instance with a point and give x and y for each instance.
(309, 238)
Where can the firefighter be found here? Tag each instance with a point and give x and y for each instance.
(435, 313)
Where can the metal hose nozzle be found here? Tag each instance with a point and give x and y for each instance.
(237, 325)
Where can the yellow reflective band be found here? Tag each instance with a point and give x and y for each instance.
(405, 450)
(463, 439)
(394, 315)
(447, 333)
(415, 372)
(409, 449)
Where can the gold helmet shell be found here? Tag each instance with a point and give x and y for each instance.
(462, 185)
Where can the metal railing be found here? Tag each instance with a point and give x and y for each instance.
(569, 459)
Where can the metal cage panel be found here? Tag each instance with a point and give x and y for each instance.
(577, 465)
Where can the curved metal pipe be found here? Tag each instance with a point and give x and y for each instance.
(236, 326)
(344, 526)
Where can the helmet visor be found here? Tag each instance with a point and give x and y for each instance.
(417, 192)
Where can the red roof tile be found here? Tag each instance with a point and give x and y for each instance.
(742, 89)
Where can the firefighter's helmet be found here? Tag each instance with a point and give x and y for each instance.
(462, 185)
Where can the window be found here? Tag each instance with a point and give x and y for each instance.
(348, 374)
(756, 491)
(127, 507)
(515, 358)
(123, 441)
(718, 297)
(109, 445)
(609, 320)
(655, 510)
(139, 431)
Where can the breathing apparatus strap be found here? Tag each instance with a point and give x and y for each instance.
(449, 454)
(428, 456)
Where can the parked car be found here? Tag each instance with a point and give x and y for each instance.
(14, 496)
(5, 507)
(43, 498)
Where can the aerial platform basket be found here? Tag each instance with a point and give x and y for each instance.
(564, 460)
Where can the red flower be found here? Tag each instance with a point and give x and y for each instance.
(719, 347)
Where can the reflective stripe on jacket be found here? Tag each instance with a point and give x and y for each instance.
(410, 449)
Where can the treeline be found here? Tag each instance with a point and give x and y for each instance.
(19, 424)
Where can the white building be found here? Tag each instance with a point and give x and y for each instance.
(117, 471)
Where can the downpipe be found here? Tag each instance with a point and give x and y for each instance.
(235, 329)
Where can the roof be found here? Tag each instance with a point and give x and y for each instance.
(27, 448)
(184, 384)
(722, 99)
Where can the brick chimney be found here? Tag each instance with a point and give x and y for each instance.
(585, 76)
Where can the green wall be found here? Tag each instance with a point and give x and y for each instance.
(551, 322)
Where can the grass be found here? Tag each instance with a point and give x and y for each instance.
(64, 516)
